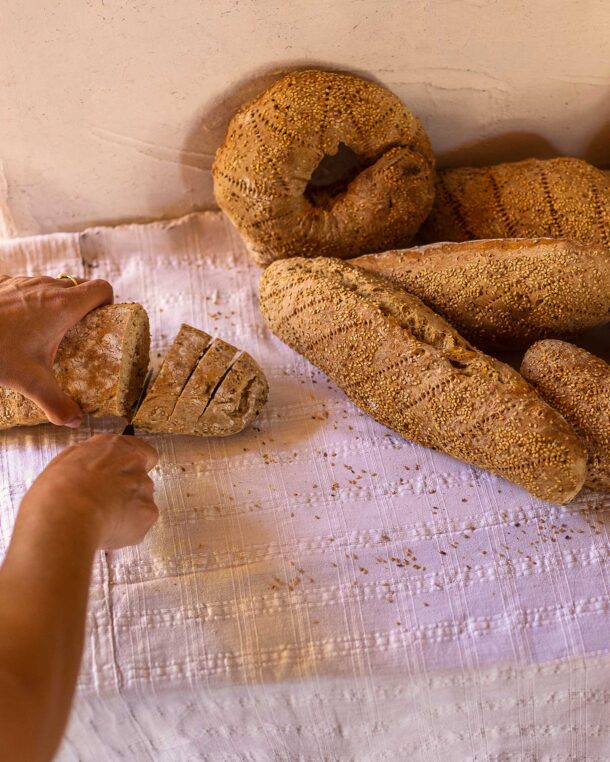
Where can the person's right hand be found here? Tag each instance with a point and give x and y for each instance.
(104, 481)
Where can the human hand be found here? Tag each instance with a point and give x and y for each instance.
(104, 482)
(35, 314)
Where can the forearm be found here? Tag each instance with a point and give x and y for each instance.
(43, 600)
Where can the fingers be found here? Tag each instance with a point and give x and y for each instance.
(85, 297)
(42, 388)
(145, 452)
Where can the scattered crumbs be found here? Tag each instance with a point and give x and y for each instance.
(397, 622)
(332, 563)
(464, 500)
(385, 537)
(317, 517)
(363, 570)
(425, 604)
(443, 552)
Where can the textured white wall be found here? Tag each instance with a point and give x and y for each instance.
(112, 109)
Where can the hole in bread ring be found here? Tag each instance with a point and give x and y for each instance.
(324, 164)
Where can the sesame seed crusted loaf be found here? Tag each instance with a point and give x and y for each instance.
(101, 363)
(263, 171)
(205, 387)
(555, 198)
(507, 292)
(577, 384)
(410, 370)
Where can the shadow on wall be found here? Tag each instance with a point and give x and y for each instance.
(210, 125)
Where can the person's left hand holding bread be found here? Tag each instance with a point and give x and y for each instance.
(35, 314)
(96, 494)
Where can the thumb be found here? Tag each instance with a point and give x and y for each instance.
(43, 389)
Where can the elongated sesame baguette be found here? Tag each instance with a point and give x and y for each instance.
(205, 387)
(507, 292)
(555, 198)
(101, 363)
(577, 384)
(410, 370)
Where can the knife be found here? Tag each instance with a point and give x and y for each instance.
(129, 430)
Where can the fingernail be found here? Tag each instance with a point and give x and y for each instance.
(75, 422)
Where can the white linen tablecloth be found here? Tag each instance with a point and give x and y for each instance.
(317, 587)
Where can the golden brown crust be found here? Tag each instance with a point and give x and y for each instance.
(274, 144)
(505, 293)
(555, 198)
(577, 384)
(238, 400)
(100, 363)
(205, 387)
(413, 372)
(202, 385)
(178, 366)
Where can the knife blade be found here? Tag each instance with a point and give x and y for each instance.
(129, 430)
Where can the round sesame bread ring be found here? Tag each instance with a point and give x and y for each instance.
(266, 173)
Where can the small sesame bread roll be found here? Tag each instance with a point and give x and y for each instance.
(263, 172)
(410, 370)
(577, 384)
(556, 198)
(505, 293)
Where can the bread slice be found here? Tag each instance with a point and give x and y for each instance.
(577, 384)
(410, 370)
(176, 370)
(238, 400)
(507, 292)
(101, 363)
(211, 369)
(205, 387)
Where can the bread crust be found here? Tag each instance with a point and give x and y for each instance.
(206, 387)
(238, 400)
(410, 370)
(274, 144)
(100, 363)
(195, 398)
(178, 366)
(505, 293)
(555, 198)
(577, 384)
